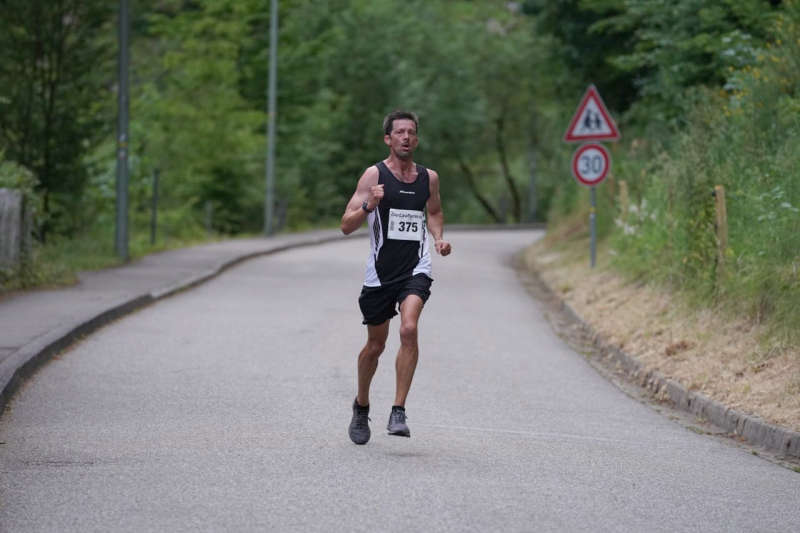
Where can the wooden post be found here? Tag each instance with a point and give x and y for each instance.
(722, 228)
(623, 200)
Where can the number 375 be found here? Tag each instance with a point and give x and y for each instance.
(411, 227)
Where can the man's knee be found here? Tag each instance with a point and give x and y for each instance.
(374, 348)
(408, 333)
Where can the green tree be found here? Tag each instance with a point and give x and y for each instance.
(585, 45)
(189, 119)
(52, 72)
(467, 70)
(692, 43)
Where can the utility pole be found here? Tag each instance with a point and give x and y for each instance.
(273, 75)
(154, 208)
(121, 237)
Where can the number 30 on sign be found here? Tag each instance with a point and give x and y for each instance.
(590, 164)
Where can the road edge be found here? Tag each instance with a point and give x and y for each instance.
(779, 440)
(24, 363)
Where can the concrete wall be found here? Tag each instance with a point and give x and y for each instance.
(13, 234)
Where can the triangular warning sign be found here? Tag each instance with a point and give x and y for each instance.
(592, 121)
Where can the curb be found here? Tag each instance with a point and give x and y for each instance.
(23, 363)
(29, 358)
(751, 428)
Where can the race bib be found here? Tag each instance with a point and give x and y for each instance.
(406, 225)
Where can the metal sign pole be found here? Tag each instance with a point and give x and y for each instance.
(591, 162)
(271, 104)
(121, 237)
(592, 225)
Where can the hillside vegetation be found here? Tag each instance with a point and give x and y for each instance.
(742, 133)
(704, 91)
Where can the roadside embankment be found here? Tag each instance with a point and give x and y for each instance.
(722, 368)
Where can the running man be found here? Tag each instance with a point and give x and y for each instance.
(400, 202)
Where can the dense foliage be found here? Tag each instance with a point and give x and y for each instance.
(53, 71)
(705, 91)
(742, 134)
(715, 102)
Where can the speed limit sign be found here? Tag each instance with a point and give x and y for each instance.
(590, 164)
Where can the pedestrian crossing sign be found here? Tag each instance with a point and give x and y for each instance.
(592, 121)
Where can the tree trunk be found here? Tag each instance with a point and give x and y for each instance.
(516, 208)
(469, 176)
(532, 163)
(473, 187)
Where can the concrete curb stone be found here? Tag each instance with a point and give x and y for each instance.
(751, 428)
(24, 362)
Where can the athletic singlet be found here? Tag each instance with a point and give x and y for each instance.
(398, 230)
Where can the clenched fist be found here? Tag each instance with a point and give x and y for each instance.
(443, 247)
(375, 196)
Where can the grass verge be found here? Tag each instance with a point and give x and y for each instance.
(709, 348)
(58, 262)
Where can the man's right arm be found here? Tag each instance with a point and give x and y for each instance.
(368, 191)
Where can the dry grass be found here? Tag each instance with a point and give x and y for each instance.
(725, 358)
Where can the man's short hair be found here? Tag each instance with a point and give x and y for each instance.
(388, 121)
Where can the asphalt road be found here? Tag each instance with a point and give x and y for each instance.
(225, 408)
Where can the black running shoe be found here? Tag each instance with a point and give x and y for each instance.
(397, 423)
(359, 425)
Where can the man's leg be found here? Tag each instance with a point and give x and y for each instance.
(407, 356)
(367, 364)
(368, 359)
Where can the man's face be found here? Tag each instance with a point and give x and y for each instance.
(403, 139)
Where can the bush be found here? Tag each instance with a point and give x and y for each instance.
(744, 138)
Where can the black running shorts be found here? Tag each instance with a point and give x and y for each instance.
(378, 304)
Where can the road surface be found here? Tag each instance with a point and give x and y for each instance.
(225, 408)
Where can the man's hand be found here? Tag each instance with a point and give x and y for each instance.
(374, 197)
(443, 247)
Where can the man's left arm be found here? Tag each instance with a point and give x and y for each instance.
(436, 216)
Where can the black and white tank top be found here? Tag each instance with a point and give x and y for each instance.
(398, 230)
